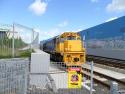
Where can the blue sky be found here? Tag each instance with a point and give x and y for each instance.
(52, 17)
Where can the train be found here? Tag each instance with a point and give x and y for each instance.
(67, 48)
(106, 40)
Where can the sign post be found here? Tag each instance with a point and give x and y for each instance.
(74, 77)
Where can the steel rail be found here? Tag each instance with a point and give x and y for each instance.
(107, 61)
(107, 77)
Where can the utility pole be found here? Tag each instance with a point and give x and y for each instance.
(13, 48)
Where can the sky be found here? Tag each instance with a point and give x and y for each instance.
(53, 17)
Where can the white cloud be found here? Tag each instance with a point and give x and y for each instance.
(113, 18)
(94, 0)
(43, 35)
(63, 24)
(38, 7)
(77, 30)
(116, 6)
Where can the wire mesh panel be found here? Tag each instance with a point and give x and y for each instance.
(17, 40)
(5, 41)
(29, 38)
(13, 76)
(22, 39)
(40, 86)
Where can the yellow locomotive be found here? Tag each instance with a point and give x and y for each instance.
(68, 48)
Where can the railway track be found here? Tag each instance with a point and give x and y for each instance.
(107, 61)
(102, 78)
(97, 79)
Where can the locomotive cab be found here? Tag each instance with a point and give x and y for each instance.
(70, 46)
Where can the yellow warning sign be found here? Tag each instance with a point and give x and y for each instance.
(74, 78)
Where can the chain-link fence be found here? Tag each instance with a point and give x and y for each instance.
(17, 40)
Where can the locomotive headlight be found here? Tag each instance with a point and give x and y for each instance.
(68, 55)
(76, 59)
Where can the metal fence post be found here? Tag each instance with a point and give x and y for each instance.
(32, 39)
(114, 88)
(91, 87)
(13, 48)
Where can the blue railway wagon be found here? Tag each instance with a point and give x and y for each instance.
(49, 45)
(107, 39)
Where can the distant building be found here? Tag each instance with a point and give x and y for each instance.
(3, 33)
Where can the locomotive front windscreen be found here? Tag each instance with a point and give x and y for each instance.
(71, 38)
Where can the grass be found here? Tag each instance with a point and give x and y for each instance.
(7, 53)
(25, 53)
